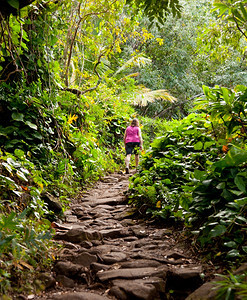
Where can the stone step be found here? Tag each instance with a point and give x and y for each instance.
(105, 201)
(77, 296)
(108, 250)
(133, 273)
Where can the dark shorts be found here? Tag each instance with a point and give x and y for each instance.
(129, 147)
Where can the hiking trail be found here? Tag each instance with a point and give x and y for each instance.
(109, 253)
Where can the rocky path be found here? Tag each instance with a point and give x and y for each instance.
(108, 253)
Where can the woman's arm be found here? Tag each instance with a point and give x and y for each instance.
(125, 134)
(140, 137)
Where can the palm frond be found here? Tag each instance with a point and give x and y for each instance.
(145, 96)
(136, 61)
(128, 76)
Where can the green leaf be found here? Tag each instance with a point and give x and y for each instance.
(205, 89)
(24, 45)
(236, 192)
(207, 182)
(7, 167)
(230, 244)
(233, 253)
(17, 116)
(235, 156)
(225, 93)
(244, 249)
(226, 194)
(166, 181)
(21, 175)
(14, 3)
(7, 179)
(244, 12)
(19, 153)
(208, 144)
(18, 193)
(221, 6)
(240, 183)
(39, 63)
(37, 135)
(237, 14)
(13, 163)
(200, 175)
(9, 222)
(217, 230)
(198, 146)
(25, 171)
(242, 219)
(31, 125)
(233, 204)
(221, 186)
(241, 201)
(195, 232)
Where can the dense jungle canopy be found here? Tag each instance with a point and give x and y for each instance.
(72, 76)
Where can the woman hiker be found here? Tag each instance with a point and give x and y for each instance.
(133, 142)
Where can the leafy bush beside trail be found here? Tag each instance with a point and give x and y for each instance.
(167, 168)
(193, 175)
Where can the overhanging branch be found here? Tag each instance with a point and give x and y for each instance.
(236, 22)
(79, 92)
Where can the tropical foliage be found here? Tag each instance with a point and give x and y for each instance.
(72, 75)
(196, 173)
(54, 138)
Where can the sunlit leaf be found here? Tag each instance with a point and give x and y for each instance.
(31, 125)
(233, 253)
(8, 167)
(230, 244)
(242, 201)
(21, 175)
(198, 146)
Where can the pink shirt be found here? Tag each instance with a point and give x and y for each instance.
(132, 135)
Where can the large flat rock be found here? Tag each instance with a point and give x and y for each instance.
(114, 233)
(208, 291)
(140, 263)
(77, 296)
(84, 259)
(184, 279)
(158, 283)
(124, 290)
(205, 292)
(105, 201)
(113, 257)
(132, 273)
(67, 268)
(103, 206)
(77, 235)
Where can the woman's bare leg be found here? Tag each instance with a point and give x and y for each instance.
(127, 161)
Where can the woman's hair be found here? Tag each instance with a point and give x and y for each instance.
(135, 122)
